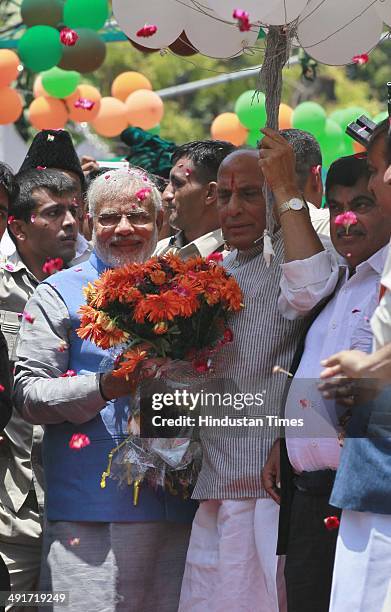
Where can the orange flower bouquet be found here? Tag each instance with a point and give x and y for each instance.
(164, 308)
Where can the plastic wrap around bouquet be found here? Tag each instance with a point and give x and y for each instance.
(162, 320)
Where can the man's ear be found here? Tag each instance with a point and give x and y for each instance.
(211, 194)
(17, 227)
(159, 219)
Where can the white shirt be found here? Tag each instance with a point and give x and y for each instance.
(320, 219)
(381, 320)
(203, 246)
(342, 324)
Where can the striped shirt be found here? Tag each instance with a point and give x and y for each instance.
(233, 457)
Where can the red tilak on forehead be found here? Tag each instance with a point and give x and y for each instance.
(232, 181)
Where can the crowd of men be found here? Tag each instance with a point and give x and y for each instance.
(294, 519)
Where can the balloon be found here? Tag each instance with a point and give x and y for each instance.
(285, 117)
(40, 48)
(87, 55)
(128, 82)
(330, 142)
(272, 12)
(251, 110)
(38, 89)
(168, 16)
(47, 113)
(214, 37)
(228, 127)
(253, 138)
(358, 148)
(60, 83)
(9, 63)
(80, 114)
(333, 32)
(86, 14)
(155, 131)
(380, 117)
(145, 108)
(350, 114)
(11, 105)
(383, 9)
(41, 12)
(112, 118)
(339, 117)
(346, 146)
(311, 117)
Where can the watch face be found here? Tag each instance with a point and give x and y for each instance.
(296, 204)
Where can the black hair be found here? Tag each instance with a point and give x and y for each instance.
(382, 129)
(206, 156)
(8, 182)
(307, 151)
(346, 171)
(159, 181)
(54, 181)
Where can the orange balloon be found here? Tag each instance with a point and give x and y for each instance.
(80, 114)
(11, 105)
(47, 113)
(145, 109)
(38, 89)
(112, 117)
(9, 63)
(128, 82)
(358, 148)
(228, 127)
(285, 117)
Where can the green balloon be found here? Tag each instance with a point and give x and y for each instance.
(330, 142)
(348, 115)
(60, 83)
(380, 117)
(155, 131)
(311, 117)
(40, 48)
(86, 13)
(253, 138)
(41, 12)
(251, 110)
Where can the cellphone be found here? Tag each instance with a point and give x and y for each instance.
(113, 165)
(361, 130)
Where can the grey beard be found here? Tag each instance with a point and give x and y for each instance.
(115, 260)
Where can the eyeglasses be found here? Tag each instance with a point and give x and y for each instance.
(112, 219)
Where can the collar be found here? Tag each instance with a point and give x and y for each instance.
(13, 263)
(97, 263)
(256, 249)
(204, 245)
(376, 262)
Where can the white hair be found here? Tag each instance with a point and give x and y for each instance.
(116, 184)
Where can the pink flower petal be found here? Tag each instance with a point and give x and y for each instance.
(68, 374)
(79, 441)
(2, 388)
(84, 103)
(68, 37)
(146, 31)
(53, 265)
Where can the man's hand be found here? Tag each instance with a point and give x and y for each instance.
(278, 165)
(114, 387)
(271, 473)
(351, 364)
(88, 163)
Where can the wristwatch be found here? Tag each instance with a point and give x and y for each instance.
(293, 204)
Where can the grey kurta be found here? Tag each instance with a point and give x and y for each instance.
(233, 458)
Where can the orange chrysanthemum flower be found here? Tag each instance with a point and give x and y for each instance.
(158, 277)
(157, 307)
(131, 360)
(175, 263)
(232, 294)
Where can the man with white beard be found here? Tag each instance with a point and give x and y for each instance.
(109, 554)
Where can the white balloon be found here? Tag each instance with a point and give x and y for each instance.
(167, 15)
(334, 31)
(383, 8)
(214, 37)
(272, 12)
